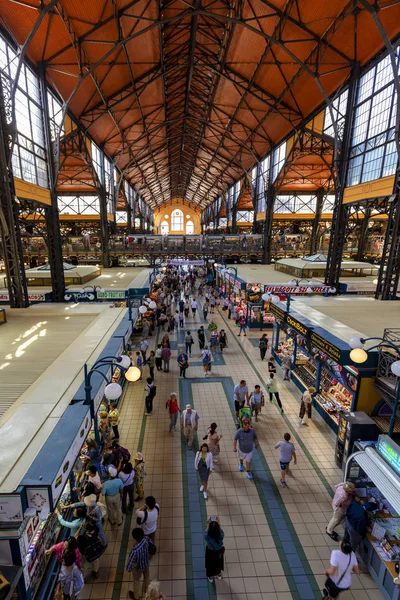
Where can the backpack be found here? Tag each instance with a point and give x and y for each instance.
(263, 344)
(146, 514)
(93, 550)
(152, 391)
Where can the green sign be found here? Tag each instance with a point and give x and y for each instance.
(111, 295)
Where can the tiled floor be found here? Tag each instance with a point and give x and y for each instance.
(276, 546)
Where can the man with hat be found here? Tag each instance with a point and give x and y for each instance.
(93, 513)
(111, 491)
(189, 424)
(344, 494)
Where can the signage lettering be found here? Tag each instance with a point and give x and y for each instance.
(295, 289)
(325, 347)
(295, 324)
(278, 312)
(32, 297)
(390, 451)
(181, 261)
(111, 295)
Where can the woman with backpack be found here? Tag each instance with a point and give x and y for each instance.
(263, 345)
(343, 563)
(183, 363)
(151, 391)
(91, 548)
(188, 343)
(127, 476)
(206, 360)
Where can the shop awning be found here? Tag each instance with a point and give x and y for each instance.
(381, 474)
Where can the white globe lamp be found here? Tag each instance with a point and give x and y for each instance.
(395, 368)
(124, 361)
(358, 355)
(142, 309)
(153, 305)
(113, 391)
(275, 298)
(132, 374)
(266, 297)
(356, 342)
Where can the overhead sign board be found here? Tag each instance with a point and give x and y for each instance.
(326, 347)
(390, 451)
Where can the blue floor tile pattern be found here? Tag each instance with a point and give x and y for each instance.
(301, 581)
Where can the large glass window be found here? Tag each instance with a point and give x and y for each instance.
(339, 106)
(189, 228)
(177, 220)
(69, 205)
(55, 117)
(295, 204)
(29, 156)
(373, 152)
(122, 216)
(278, 159)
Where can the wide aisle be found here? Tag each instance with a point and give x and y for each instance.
(276, 546)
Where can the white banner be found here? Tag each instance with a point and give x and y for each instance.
(295, 289)
(182, 262)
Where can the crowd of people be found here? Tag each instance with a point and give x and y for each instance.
(118, 478)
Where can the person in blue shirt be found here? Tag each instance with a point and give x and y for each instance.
(112, 490)
(355, 526)
(214, 537)
(78, 518)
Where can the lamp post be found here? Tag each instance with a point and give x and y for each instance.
(297, 281)
(358, 355)
(112, 390)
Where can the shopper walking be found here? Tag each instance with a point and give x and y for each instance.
(272, 387)
(140, 475)
(139, 363)
(173, 411)
(214, 341)
(183, 363)
(158, 358)
(343, 563)
(206, 306)
(344, 495)
(147, 516)
(223, 340)
(111, 490)
(243, 325)
(206, 360)
(166, 357)
(144, 344)
(240, 396)
(127, 476)
(263, 345)
(189, 424)
(305, 405)
(215, 550)
(213, 440)
(194, 307)
(287, 453)
(247, 438)
(150, 391)
(256, 401)
(230, 306)
(139, 563)
(151, 361)
(287, 366)
(188, 343)
(201, 336)
(203, 464)
(271, 365)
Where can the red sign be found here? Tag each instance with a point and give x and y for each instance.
(295, 289)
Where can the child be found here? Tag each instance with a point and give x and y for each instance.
(113, 416)
(70, 579)
(287, 452)
(256, 401)
(139, 363)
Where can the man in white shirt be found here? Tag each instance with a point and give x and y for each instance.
(144, 344)
(147, 516)
(240, 396)
(194, 306)
(189, 424)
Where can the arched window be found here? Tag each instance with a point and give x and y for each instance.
(189, 227)
(177, 220)
(164, 228)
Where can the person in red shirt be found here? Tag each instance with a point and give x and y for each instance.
(173, 411)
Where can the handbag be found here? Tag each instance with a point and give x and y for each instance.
(333, 588)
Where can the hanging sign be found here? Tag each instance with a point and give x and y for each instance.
(278, 312)
(326, 347)
(390, 451)
(38, 498)
(117, 295)
(297, 326)
(295, 289)
(10, 508)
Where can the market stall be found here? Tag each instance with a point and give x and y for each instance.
(375, 471)
(322, 360)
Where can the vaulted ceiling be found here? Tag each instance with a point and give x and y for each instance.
(186, 95)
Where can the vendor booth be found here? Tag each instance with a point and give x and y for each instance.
(232, 287)
(375, 471)
(322, 360)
